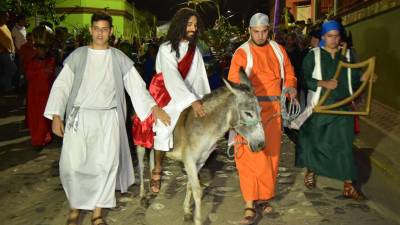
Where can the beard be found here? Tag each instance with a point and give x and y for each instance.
(191, 36)
(260, 44)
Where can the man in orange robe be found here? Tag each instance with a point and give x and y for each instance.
(268, 67)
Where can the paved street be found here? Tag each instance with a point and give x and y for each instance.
(31, 193)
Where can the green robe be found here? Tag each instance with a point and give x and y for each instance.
(325, 141)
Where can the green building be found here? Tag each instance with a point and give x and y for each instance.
(128, 21)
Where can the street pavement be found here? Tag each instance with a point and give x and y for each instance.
(31, 193)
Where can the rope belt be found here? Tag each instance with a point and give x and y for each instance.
(268, 98)
(73, 118)
(289, 112)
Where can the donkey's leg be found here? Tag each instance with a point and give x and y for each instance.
(186, 203)
(193, 179)
(140, 152)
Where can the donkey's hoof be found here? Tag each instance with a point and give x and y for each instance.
(188, 217)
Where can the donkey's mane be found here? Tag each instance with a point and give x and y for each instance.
(241, 87)
(222, 89)
(214, 93)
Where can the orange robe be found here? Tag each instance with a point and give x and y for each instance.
(258, 171)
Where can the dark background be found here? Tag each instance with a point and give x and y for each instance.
(238, 10)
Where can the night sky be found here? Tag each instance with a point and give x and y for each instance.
(241, 9)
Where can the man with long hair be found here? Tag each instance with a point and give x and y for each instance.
(89, 91)
(269, 68)
(180, 82)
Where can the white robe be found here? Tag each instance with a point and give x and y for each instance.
(90, 153)
(182, 92)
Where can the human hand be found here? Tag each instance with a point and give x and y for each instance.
(365, 77)
(57, 126)
(328, 84)
(198, 109)
(160, 114)
(292, 93)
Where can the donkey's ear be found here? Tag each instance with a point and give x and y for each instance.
(229, 86)
(244, 79)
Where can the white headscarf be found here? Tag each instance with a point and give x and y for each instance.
(259, 19)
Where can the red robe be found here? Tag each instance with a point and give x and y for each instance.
(40, 76)
(142, 131)
(26, 52)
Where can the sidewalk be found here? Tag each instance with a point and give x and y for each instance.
(378, 146)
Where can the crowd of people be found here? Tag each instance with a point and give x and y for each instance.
(77, 90)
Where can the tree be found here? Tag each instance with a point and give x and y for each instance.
(5, 5)
(199, 5)
(32, 8)
(223, 37)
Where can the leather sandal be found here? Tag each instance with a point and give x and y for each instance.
(309, 180)
(102, 222)
(349, 191)
(73, 220)
(155, 183)
(248, 220)
(266, 208)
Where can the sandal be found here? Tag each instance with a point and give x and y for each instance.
(155, 184)
(248, 220)
(309, 180)
(266, 208)
(103, 222)
(73, 220)
(350, 192)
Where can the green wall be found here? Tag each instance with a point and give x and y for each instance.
(122, 26)
(112, 4)
(380, 36)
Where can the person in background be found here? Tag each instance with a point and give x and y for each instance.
(8, 68)
(40, 73)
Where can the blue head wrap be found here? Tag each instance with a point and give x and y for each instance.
(329, 26)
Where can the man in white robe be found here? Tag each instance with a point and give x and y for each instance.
(180, 67)
(89, 93)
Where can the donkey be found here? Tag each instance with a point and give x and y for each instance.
(231, 107)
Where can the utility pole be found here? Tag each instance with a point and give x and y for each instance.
(276, 16)
(335, 4)
(314, 4)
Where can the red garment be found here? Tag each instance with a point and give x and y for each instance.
(40, 76)
(142, 131)
(26, 52)
(357, 128)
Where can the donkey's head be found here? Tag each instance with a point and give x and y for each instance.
(247, 120)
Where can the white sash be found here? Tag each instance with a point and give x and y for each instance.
(249, 56)
(349, 73)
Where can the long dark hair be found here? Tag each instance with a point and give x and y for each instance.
(177, 28)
